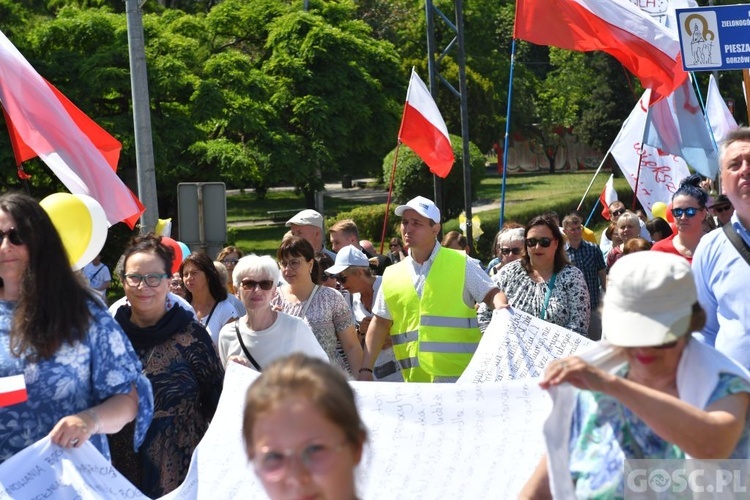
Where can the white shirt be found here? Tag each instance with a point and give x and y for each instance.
(285, 336)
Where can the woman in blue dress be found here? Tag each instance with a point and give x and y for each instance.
(82, 377)
(675, 398)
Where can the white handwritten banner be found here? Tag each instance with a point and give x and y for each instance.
(425, 441)
(45, 470)
(517, 345)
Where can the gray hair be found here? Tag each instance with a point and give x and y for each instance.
(223, 272)
(512, 235)
(741, 134)
(262, 265)
(631, 217)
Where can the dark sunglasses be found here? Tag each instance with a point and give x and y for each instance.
(532, 242)
(670, 345)
(722, 208)
(341, 278)
(679, 212)
(618, 212)
(514, 251)
(13, 237)
(251, 284)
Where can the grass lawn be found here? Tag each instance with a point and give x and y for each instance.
(526, 196)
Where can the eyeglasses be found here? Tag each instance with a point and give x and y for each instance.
(251, 284)
(669, 345)
(618, 212)
(532, 242)
(176, 283)
(679, 212)
(13, 237)
(514, 251)
(290, 264)
(717, 209)
(316, 458)
(327, 277)
(228, 262)
(151, 279)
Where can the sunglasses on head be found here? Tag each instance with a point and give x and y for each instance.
(251, 284)
(618, 212)
(13, 237)
(544, 242)
(679, 212)
(508, 251)
(722, 208)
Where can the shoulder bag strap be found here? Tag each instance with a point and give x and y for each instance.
(309, 299)
(208, 320)
(550, 287)
(244, 347)
(737, 241)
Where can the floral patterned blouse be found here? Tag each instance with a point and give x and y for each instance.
(568, 306)
(604, 433)
(327, 316)
(77, 377)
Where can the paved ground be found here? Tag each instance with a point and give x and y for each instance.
(364, 195)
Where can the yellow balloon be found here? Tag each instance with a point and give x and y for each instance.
(659, 209)
(72, 219)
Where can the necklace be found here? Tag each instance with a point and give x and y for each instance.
(148, 361)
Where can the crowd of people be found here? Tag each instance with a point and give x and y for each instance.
(148, 373)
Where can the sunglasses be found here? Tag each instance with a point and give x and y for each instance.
(618, 212)
(13, 237)
(722, 208)
(544, 242)
(341, 278)
(251, 284)
(514, 251)
(679, 212)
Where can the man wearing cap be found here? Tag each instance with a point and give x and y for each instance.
(426, 303)
(722, 210)
(308, 224)
(353, 272)
(722, 275)
(345, 232)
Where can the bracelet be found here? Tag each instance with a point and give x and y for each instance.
(365, 370)
(95, 417)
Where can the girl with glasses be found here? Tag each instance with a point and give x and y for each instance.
(321, 307)
(179, 359)
(229, 256)
(263, 334)
(53, 330)
(689, 211)
(302, 431)
(543, 283)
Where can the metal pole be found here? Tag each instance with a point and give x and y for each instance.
(432, 71)
(319, 202)
(464, 118)
(144, 148)
(507, 134)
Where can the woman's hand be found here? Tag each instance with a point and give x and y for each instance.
(240, 360)
(74, 430)
(576, 372)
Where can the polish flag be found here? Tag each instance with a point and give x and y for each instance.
(645, 47)
(718, 114)
(423, 128)
(42, 122)
(608, 196)
(12, 390)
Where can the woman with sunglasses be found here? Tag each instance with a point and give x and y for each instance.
(229, 256)
(674, 398)
(178, 358)
(322, 308)
(302, 431)
(543, 283)
(262, 334)
(82, 379)
(689, 210)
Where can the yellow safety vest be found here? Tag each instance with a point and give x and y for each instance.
(437, 335)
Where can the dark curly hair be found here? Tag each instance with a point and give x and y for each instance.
(150, 243)
(690, 186)
(561, 256)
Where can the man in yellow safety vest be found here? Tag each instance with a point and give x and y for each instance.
(426, 303)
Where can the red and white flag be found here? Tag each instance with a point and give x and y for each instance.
(12, 390)
(660, 173)
(718, 114)
(42, 122)
(645, 47)
(608, 196)
(423, 128)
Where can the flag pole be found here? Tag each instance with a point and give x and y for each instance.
(592, 213)
(507, 132)
(594, 178)
(697, 88)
